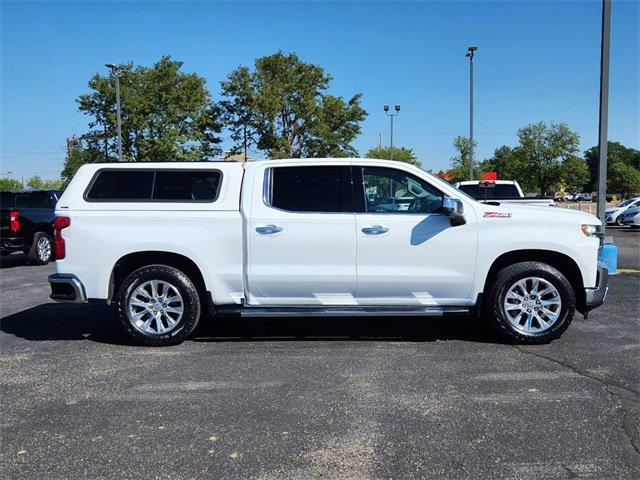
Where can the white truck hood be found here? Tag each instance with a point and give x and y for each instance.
(543, 214)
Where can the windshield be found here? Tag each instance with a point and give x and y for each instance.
(626, 202)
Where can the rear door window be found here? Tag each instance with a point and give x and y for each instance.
(324, 189)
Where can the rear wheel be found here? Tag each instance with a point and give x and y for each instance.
(158, 305)
(530, 303)
(41, 251)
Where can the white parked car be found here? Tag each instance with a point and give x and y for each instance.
(498, 192)
(631, 217)
(172, 242)
(614, 215)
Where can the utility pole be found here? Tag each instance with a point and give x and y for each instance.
(380, 140)
(116, 72)
(391, 115)
(604, 109)
(470, 54)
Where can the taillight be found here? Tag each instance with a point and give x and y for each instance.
(59, 224)
(14, 221)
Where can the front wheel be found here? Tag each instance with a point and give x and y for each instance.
(530, 303)
(158, 305)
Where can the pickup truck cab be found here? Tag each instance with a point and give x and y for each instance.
(172, 242)
(499, 192)
(27, 223)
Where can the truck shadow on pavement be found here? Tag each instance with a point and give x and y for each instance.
(14, 260)
(97, 323)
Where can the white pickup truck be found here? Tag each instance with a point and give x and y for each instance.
(498, 192)
(169, 243)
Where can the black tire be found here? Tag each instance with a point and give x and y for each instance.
(508, 276)
(38, 255)
(190, 298)
(618, 221)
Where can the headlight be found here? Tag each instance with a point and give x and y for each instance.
(592, 230)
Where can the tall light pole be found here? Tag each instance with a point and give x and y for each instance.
(116, 71)
(470, 54)
(604, 109)
(391, 115)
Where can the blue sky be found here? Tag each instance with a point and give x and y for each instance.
(535, 61)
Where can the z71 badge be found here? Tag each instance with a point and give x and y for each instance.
(497, 214)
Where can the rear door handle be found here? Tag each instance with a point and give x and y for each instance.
(268, 229)
(375, 230)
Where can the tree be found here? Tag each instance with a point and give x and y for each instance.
(166, 114)
(623, 178)
(616, 153)
(400, 154)
(505, 162)
(460, 163)
(7, 184)
(75, 159)
(283, 107)
(238, 109)
(575, 175)
(35, 182)
(542, 150)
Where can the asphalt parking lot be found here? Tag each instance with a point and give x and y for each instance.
(317, 398)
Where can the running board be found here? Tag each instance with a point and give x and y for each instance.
(346, 311)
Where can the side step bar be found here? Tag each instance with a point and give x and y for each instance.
(344, 311)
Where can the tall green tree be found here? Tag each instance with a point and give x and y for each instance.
(283, 106)
(616, 154)
(460, 163)
(400, 154)
(623, 178)
(166, 114)
(575, 175)
(542, 150)
(75, 159)
(238, 109)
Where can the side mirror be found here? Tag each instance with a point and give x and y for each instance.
(455, 209)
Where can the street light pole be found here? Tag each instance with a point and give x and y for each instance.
(470, 54)
(386, 110)
(604, 109)
(116, 72)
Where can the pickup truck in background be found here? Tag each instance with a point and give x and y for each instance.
(497, 192)
(27, 223)
(170, 243)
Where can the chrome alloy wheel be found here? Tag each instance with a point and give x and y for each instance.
(155, 307)
(532, 305)
(43, 248)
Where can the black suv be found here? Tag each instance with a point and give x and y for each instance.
(27, 223)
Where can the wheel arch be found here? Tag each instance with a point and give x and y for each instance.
(560, 261)
(131, 262)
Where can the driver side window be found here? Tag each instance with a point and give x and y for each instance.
(387, 190)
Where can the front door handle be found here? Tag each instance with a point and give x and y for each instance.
(268, 229)
(375, 230)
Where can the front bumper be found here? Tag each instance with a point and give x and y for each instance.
(594, 297)
(66, 287)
